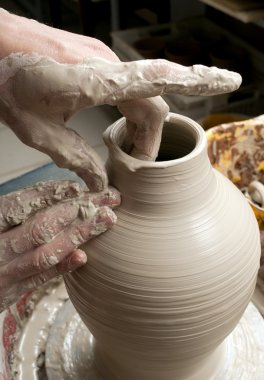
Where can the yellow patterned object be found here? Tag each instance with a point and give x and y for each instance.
(237, 150)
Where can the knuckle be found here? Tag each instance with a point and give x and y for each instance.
(40, 261)
(46, 259)
(41, 234)
(36, 235)
(36, 281)
(80, 235)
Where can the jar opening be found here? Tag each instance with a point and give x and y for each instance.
(177, 141)
(182, 140)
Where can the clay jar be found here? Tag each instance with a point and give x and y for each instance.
(163, 288)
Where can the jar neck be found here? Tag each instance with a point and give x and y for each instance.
(184, 176)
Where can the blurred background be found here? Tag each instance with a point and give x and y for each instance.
(224, 33)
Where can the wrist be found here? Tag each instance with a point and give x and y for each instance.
(19, 34)
(22, 35)
(7, 33)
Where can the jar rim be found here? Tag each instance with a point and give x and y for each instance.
(113, 133)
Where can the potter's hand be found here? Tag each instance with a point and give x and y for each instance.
(41, 229)
(40, 92)
(41, 97)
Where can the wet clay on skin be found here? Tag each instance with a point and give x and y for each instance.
(51, 219)
(146, 292)
(165, 286)
(38, 95)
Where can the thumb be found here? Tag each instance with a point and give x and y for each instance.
(66, 148)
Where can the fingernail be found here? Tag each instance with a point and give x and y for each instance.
(67, 190)
(110, 197)
(104, 219)
(96, 182)
(73, 190)
(81, 258)
(105, 216)
(98, 229)
(77, 259)
(114, 197)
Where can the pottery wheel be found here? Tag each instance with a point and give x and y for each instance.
(69, 351)
(54, 344)
(69, 354)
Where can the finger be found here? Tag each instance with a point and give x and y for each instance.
(95, 82)
(149, 78)
(46, 224)
(17, 207)
(40, 229)
(45, 257)
(98, 81)
(147, 117)
(65, 147)
(109, 197)
(74, 260)
(131, 128)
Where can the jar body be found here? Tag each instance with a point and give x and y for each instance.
(164, 287)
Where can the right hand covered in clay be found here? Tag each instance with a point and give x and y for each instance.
(41, 228)
(53, 74)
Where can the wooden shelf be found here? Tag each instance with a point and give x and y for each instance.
(243, 10)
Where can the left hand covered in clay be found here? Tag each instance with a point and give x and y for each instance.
(41, 229)
(52, 74)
